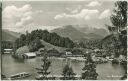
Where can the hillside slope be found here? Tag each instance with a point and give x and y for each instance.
(48, 46)
(9, 35)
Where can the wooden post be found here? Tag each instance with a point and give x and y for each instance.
(0, 26)
(1, 34)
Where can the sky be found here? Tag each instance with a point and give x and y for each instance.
(21, 16)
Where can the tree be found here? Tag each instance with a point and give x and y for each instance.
(119, 17)
(23, 39)
(119, 27)
(89, 69)
(35, 45)
(28, 40)
(43, 71)
(68, 73)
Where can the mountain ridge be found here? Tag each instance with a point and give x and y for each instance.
(75, 34)
(9, 35)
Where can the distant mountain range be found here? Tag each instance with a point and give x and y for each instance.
(9, 35)
(70, 32)
(87, 29)
(76, 33)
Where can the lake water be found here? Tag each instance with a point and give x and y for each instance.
(11, 66)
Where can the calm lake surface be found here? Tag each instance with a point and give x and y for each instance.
(11, 66)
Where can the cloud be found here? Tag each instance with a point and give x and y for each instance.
(59, 16)
(83, 14)
(106, 13)
(74, 11)
(94, 3)
(39, 11)
(24, 21)
(68, 9)
(15, 17)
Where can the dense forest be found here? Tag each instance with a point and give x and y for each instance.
(90, 44)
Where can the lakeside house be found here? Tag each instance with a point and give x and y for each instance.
(70, 54)
(40, 52)
(8, 51)
(99, 50)
(53, 52)
(50, 52)
(99, 59)
(29, 55)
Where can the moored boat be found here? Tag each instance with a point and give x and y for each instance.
(20, 75)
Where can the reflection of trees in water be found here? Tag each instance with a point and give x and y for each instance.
(19, 60)
(116, 66)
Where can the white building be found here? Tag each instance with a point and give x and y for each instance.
(68, 53)
(29, 55)
(8, 51)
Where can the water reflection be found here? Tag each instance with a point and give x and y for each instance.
(19, 60)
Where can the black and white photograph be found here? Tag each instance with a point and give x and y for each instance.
(63, 39)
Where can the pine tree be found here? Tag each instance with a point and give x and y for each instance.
(43, 71)
(68, 73)
(89, 69)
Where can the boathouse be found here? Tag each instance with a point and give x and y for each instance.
(29, 55)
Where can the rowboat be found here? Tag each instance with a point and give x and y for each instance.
(20, 75)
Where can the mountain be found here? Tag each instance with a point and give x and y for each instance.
(94, 36)
(75, 34)
(9, 35)
(69, 31)
(88, 29)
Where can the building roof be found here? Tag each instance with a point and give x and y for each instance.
(41, 49)
(53, 51)
(30, 54)
(67, 53)
(7, 49)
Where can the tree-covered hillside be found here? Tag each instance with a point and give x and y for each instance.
(33, 39)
